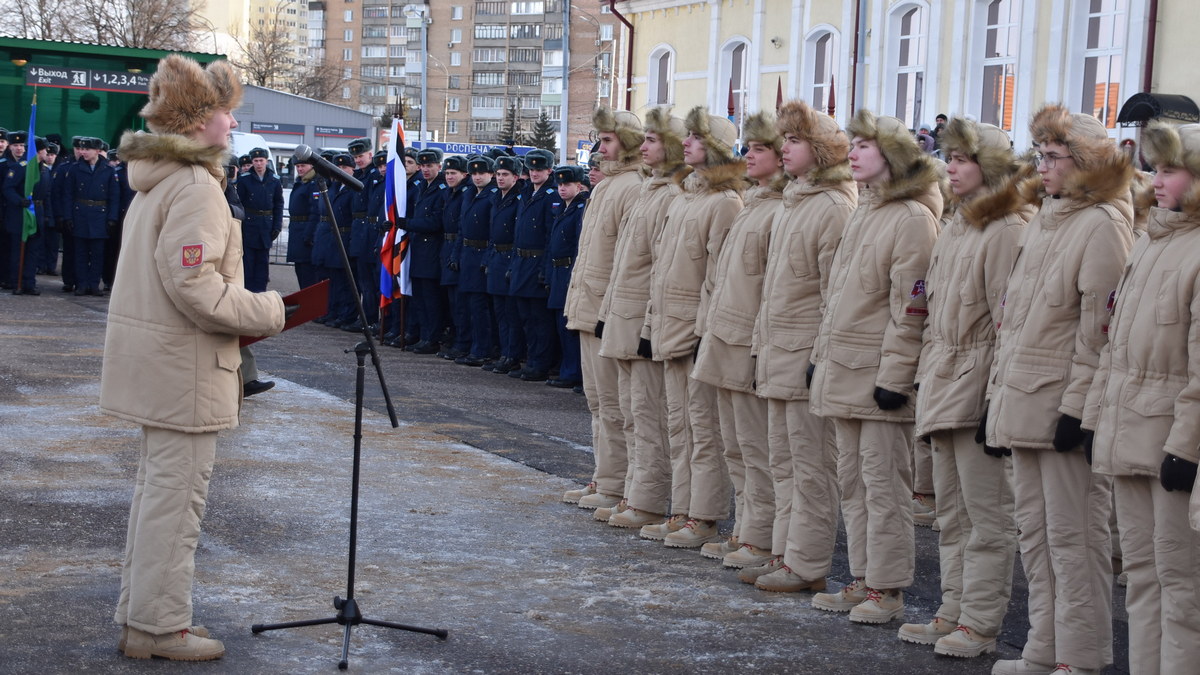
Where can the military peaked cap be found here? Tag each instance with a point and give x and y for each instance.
(481, 165)
(258, 153)
(359, 145)
(570, 173)
(539, 159)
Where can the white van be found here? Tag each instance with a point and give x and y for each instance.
(243, 143)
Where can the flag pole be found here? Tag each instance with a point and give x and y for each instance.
(30, 147)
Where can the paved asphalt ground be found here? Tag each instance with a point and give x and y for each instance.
(461, 528)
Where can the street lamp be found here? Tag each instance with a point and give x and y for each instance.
(418, 19)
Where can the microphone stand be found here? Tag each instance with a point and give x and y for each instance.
(348, 613)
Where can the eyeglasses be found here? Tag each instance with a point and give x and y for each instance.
(1049, 160)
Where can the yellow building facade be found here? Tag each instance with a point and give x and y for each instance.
(996, 61)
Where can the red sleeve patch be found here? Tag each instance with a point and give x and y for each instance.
(192, 255)
(918, 289)
(916, 311)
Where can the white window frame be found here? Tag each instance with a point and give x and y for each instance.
(808, 81)
(919, 68)
(655, 93)
(982, 60)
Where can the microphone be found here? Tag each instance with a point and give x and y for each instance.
(305, 155)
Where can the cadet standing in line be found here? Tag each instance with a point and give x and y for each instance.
(967, 276)
(509, 334)
(725, 358)
(424, 225)
(561, 251)
(1054, 324)
(364, 233)
(685, 263)
(304, 210)
(262, 198)
(60, 177)
(866, 357)
(528, 283)
(328, 256)
(817, 202)
(95, 198)
(620, 140)
(23, 264)
(624, 312)
(458, 336)
(475, 228)
(1143, 407)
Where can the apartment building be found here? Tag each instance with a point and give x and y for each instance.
(231, 27)
(475, 70)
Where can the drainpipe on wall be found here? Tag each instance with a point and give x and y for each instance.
(855, 85)
(612, 7)
(1148, 73)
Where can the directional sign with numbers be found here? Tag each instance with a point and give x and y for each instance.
(83, 78)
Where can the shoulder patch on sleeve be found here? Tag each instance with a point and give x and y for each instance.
(192, 255)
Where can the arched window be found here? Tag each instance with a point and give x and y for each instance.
(734, 83)
(821, 54)
(1102, 62)
(909, 51)
(661, 75)
(1000, 44)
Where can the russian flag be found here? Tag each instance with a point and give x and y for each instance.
(393, 275)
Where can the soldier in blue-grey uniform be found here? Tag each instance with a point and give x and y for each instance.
(377, 214)
(363, 232)
(60, 177)
(425, 244)
(327, 254)
(95, 198)
(304, 210)
(528, 282)
(262, 198)
(560, 260)
(498, 261)
(113, 248)
(23, 273)
(458, 341)
(475, 227)
(51, 238)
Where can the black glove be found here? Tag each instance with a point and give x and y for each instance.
(1089, 437)
(453, 267)
(1068, 435)
(696, 351)
(58, 225)
(112, 225)
(997, 452)
(26, 202)
(599, 329)
(645, 350)
(754, 382)
(1177, 473)
(68, 226)
(808, 374)
(889, 400)
(289, 310)
(981, 438)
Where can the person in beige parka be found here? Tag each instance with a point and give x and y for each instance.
(1144, 405)
(725, 359)
(1056, 311)
(816, 204)
(685, 260)
(967, 277)
(620, 139)
(866, 356)
(171, 348)
(624, 312)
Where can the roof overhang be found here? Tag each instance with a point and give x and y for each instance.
(1139, 109)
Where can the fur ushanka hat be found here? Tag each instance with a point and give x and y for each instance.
(987, 145)
(911, 169)
(626, 126)
(760, 128)
(671, 131)
(183, 95)
(828, 142)
(717, 133)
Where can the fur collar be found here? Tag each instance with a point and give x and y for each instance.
(829, 175)
(727, 176)
(611, 168)
(997, 202)
(921, 175)
(1107, 181)
(173, 148)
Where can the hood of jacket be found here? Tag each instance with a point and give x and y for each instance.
(799, 189)
(1107, 181)
(153, 157)
(996, 202)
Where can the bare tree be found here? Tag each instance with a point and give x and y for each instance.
(41, 19)
(316, 79)
(269, 55)
(150, 24)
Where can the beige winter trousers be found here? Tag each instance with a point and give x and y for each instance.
(875, 475)
(1162, 558)
(710, 477)
(804, 466)
(609, 426)
(923, 483)
(744, 436)
(979, 533)
(1062, 515)
(650, 466)
(164, 526)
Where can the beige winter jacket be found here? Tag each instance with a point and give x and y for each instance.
(870, 334)
(602, 221)
(685, 257)
(178, 306)
(624, 308)
(1055, 313)
(968, 273)
(808, 227)
(1146, 396)
(725, 358)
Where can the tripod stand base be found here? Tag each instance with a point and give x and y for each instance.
(349, 616)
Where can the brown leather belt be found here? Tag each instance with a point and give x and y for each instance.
(503, 248)
(450, 236)
(90, 202)
(530, 252)
(562, 262)
(359, 214)
(260, 213)
(476, 243)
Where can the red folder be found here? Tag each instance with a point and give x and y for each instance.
(313, 302)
